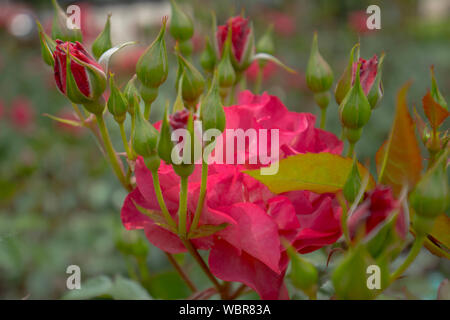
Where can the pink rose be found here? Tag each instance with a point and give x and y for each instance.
(367, 72)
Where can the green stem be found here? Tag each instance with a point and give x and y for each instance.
(111, 153)
(181, 272)
(351, 150)
(148, 109)
(344, 217)
(203, 266)
(323, 117)
(124, 140)
(201, 198)
(161, 202)
(78, 112)
(182, 210)
(415, 249)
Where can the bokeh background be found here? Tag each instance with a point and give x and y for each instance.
(60, 203)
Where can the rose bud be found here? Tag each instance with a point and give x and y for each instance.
(319, 76)
(186, 48)
(376, 92)
(225, 69)
(47, 46)
(165, 144)
(266, 44)
(303, 274)
(353, 183)
(345, 82)
(148, 95)
(242, 41)
(117, 103)
(208, 57)
(79, 76)
(354, 111)
(430, 197)
(131, 95)
(212, 113)
(193, 82)
(185, 165)
(145, 140)
(103, 41)
(181, 26)
(435, 93)
(59, 26)
(152, 67)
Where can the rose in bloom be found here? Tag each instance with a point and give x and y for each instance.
(249, 249)
(21, 113)
(377, 206)
(367, 72)
(86, 80)
(241, 39)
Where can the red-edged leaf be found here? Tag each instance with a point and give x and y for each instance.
(435, 113)
(398, 160)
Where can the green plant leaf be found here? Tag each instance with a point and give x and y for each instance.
(92, 288)
(206, 230)
(126, 289)
(316, 172)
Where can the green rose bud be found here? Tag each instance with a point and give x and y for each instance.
(152, 67)
(131, 95)
(430, 197)
(181, 26)
(212, 113)
(103, 41)
(59, 26)
(319, 76)
(193, 82)
(322, 99)
(185, 169)
(304, 275)
(208, 58)
(145, 137)
(47, 46)
(117, 103)
(355, 110)
(165, 143)
(226, 73)
(353, 183)
(345, 82)
(186, 47)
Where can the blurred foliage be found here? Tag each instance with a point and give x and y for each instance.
(60, 204)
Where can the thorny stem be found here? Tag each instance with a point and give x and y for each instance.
(111, 153)
(183, 275)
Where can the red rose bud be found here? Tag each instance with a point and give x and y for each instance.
(152, 67)
(181, 26)
(212, 113)
(435, 93)
(117, 103)
(78, 75)
(193, 82)
(225, 69)
(355, 110)
(179, 119)
(430, 197)
(353, 183)
(242, 41)
(304, 275)
(59, 26)
(367, 72)
(345, 82)
(47, 46)
(132, 95)
(208, 57)
(103, 41)
(319, 76)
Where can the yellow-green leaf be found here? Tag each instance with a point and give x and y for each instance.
(316, 172)
(398, 160)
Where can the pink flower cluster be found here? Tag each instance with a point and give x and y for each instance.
(249, 249)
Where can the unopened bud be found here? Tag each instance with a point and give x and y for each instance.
(103, 41)
(319, 76)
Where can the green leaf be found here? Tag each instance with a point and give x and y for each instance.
(92, 288)
(398, 160)
(206, 230)
(156, 217)
(65, 121)
(266, 56)
(106, 56)
(316, 172)
(126, 289)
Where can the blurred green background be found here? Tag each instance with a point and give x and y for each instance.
(59, 201)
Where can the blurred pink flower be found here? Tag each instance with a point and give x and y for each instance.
(22, 113)
(357, 21)
(67, 128)
(249, 249)
(268, 71)
(283, 23)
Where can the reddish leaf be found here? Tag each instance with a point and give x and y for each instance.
(398, 160)
(435, 113)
